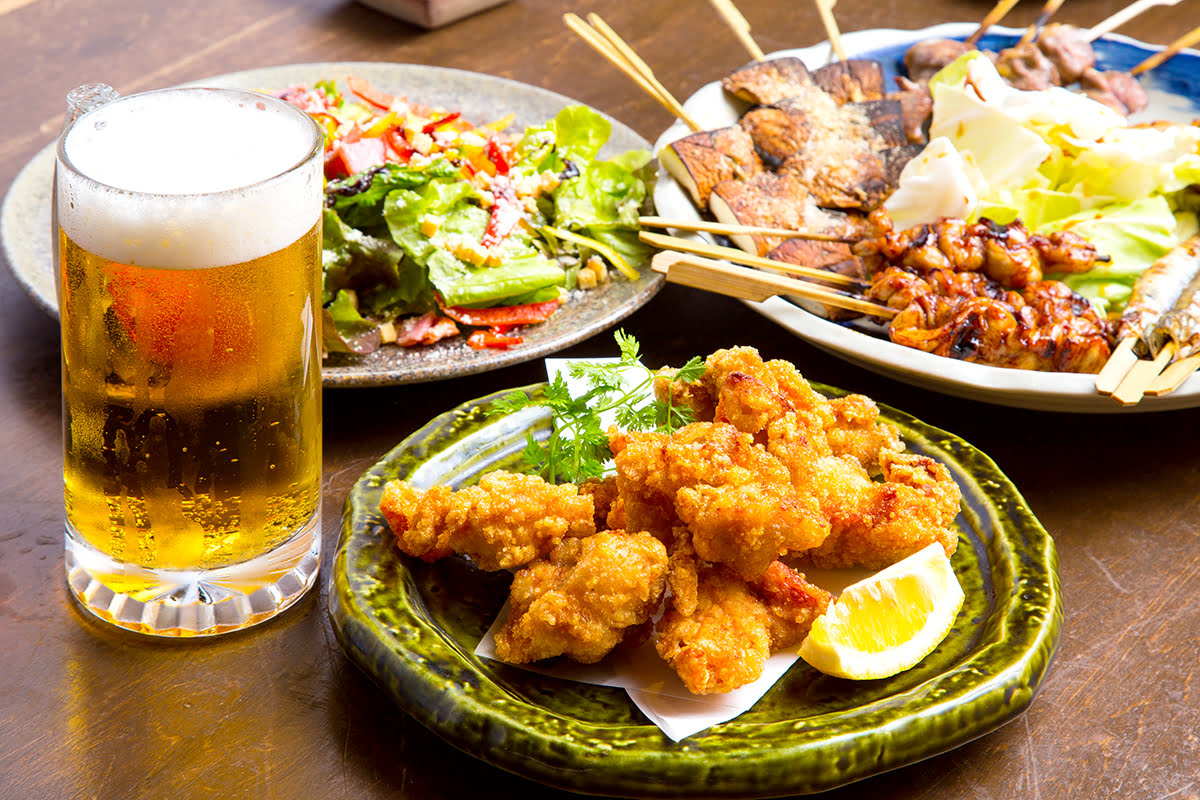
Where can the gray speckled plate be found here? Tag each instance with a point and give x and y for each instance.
(25, 221)
(414, 626)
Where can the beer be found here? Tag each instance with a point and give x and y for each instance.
(189, 296)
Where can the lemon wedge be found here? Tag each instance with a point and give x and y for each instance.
(888, 622)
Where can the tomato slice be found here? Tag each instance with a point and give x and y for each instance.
(369, 93)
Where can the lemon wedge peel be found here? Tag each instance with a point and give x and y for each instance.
(889, 622)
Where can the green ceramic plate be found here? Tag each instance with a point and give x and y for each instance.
(414, 626)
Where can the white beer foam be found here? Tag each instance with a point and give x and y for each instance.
(189, 178)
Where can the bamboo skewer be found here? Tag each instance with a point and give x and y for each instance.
(1117, 367)
(1171, 50)
(728, 229)
(1035, 30)
(825, 9)
(995, 15)
(1174, 375)
(747, 259)
(1124, 15)
(605, 41)
(753, 284)
(1144, 373)
(740, 26)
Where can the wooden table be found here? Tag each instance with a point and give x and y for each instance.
(279, 712)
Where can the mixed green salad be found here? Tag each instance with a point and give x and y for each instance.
(433, 223)
(1056, 160)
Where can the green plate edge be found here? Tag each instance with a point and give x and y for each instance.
(413, 628)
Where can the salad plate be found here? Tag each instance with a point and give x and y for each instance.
(414, 626)
(1174, 92)
(25, 220)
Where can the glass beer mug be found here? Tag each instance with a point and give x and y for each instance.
(189, 250)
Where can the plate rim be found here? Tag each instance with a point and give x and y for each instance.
(1066, 392)
(23, 197)
(1022, 674)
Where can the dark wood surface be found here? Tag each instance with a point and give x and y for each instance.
(279, 712)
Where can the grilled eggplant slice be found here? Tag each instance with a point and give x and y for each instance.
(851, 81)
(703, 159)
(766, 82)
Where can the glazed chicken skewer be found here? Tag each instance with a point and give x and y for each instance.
(971, 291)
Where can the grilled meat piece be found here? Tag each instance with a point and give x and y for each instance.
(1119, 91)
(1008, 254)
(1068, 49)
(766, 82)
(1027, 67)
(968, 316)
(701, 160)
(926, 58)
(916, 108)
(851, 81)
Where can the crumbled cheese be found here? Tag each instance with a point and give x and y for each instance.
(592, 273)
(472, 139)
(422, 142)
(387, 332)
(430, 223)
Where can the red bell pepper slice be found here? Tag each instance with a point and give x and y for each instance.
(399, 145)
(482, 339)
(369, 93)
(506, 213)
(496, 155)
(433, 125)
(503, 316)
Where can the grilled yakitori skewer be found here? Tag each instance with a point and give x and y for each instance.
(1156, 292)
(967, 315)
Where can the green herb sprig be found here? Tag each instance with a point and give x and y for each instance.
(578, 446)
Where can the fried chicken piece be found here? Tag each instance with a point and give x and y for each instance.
(749, 393)
(794, 603)
(735, 625)
(683, 573)
(884, 522)
(748, 526)
(858, 432)
(736, 499)
(603, 492)
(724, 642)
(505, 521)
(583, 598)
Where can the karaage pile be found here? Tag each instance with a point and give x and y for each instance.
(699, 532)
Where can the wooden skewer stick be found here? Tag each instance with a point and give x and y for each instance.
(740, 26)
(1174, 375)
(1117, 367)
(753, 284)
(1171, 50)
(1124, 15)
(1143, 374)
(825, 9)
(995, 15)
(1035, 30)
(748, 259)
(728, 229)
(605, 42)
